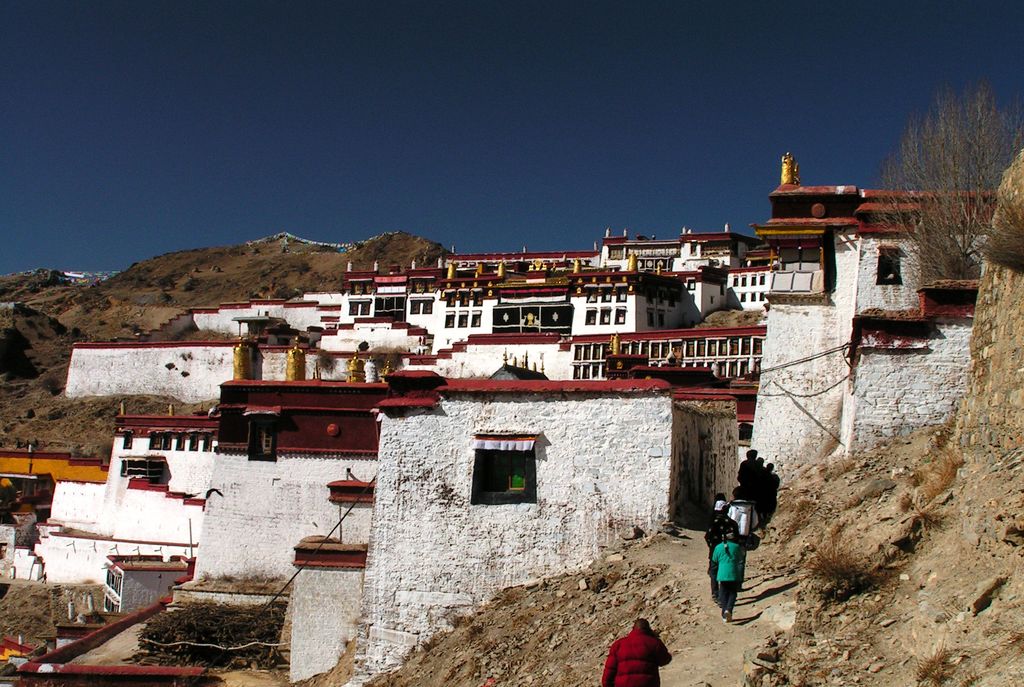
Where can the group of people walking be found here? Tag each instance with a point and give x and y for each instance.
(634, 660)
(731, 533)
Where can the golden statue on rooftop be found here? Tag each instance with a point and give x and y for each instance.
(790, 170)
(615, 344)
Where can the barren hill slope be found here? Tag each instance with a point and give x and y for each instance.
(36, 335)
(154, 290)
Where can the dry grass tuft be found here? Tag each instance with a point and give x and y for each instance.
(935, 670)
(841, 572)
(927, 516)
(936, 476)
(1004, 242)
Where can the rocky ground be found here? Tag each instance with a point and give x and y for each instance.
(557, 631)
(900, 566)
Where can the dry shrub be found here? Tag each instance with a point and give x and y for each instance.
(935, 670)
(1004, 244)
(934, 477)
(927, 516)
(841, 571)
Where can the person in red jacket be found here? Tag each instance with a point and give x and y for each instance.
(633, 660)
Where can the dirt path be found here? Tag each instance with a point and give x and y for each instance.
(705, 650)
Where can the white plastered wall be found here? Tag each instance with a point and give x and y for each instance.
(265, 508)
(895, 391)
(800, 406)
(603, 463)
(324, 606)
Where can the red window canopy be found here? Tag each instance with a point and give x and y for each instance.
(504, 442)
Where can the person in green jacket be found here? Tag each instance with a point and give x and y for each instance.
(731, 558)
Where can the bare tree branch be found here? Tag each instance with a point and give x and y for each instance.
(944, 176)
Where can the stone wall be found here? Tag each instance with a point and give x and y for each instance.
(799, 412)
(705, 439)
(324, 606)
(188, 372)
(265, 508)
(75, 559)
(870, 294)
(603, 462)
(992, 415)
(898, 387)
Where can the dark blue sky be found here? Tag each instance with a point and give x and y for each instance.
(129, 129)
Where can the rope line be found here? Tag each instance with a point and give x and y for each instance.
(302, 566)
(786, 392)
(806, 359)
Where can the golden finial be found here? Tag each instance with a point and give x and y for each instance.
(631, 265)
(577, 266)
(790, 170)
(504, 358)
(526, 360)
(121, 408)
(658, 270)
(479, 269)
(170, 409)
(515, 361)
(501, 270)
(614, 344)
(451, 270)
(386, 370)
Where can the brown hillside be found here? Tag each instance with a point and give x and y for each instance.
(36, 335)
(150, 292)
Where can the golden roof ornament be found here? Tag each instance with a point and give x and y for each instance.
(501, 270)
(451, 270)
(790, 170)
(386, 370)
(242, 359)
(615, 344)
(504, 360)
(631, 265)
(170, 409)
(479, 269)
(577, 266)
(295, 363)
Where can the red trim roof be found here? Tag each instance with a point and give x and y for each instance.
(536, 386)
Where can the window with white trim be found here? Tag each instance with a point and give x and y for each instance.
(504, 469)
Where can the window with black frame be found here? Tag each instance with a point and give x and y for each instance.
(889, 267)
(262, 439)
(504, 470)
